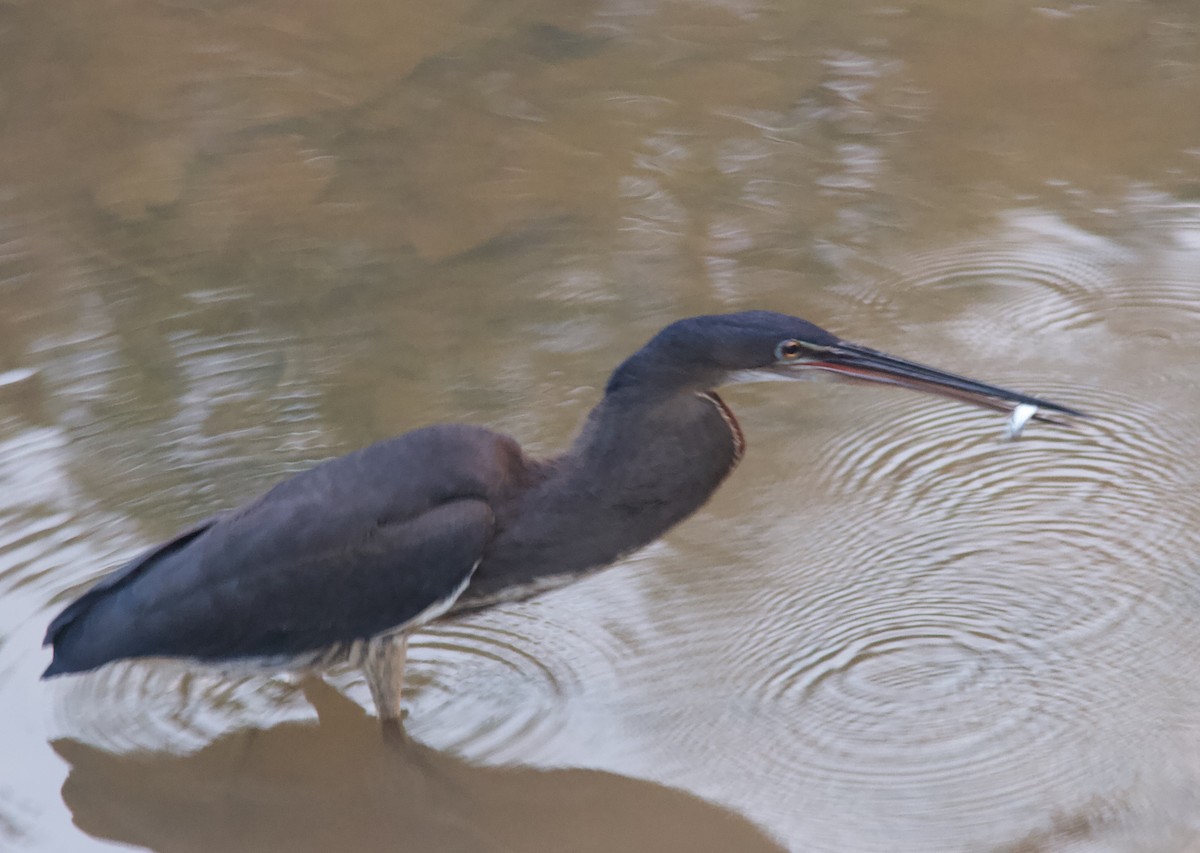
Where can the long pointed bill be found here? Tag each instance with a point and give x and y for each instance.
(856, 362)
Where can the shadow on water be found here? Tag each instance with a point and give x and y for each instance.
(339, 785)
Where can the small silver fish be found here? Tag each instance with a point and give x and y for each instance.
(1021, 415)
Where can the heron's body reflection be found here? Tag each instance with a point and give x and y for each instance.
(334, 786)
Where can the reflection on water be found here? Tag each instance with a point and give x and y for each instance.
(340, 786)
(239, 238)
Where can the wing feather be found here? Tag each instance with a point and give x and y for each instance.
(362, 545)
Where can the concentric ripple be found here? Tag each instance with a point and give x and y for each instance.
(1037, 271)
(501, 686)
(948, 459)
(939, 621)
(486, 689)
(1163, 300)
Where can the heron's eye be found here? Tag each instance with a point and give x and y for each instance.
(789, 350)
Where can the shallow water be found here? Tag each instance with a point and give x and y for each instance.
(238, 239)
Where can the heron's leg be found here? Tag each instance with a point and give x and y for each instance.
(384, 666)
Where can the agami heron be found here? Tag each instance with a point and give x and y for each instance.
(340, 563)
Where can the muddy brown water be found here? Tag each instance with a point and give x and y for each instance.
(236, 239)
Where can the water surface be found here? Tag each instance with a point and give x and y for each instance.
(236, 239)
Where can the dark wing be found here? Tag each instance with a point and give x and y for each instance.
(357, 546)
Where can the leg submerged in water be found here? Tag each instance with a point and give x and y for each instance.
(384, 666)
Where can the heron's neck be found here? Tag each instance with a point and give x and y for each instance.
(640, 465)
(628, 431)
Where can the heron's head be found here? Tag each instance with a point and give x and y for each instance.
(708, 351)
